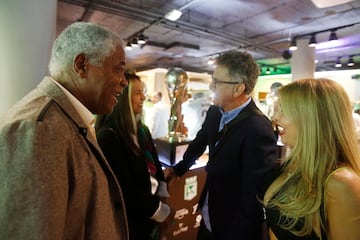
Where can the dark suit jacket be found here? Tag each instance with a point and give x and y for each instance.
(134, 178)
(55, 182)
(235, 170)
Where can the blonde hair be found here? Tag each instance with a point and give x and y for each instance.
(321, 111)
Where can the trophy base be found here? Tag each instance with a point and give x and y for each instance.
(170, 152)
(175, 137)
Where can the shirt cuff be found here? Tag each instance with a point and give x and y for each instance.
(162, 190)
(161, 213)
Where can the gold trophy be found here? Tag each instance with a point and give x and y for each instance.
(176, 81)
(172, 147)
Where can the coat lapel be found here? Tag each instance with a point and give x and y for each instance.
(53, 91)
(249, 107)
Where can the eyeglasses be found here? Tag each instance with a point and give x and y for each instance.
(218, 81)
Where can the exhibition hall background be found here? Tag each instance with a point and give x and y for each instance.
(27, 30)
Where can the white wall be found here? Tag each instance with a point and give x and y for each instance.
(351, 86)
(27, 29)
(343, 77)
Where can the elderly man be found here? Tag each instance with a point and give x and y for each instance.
(55, 183)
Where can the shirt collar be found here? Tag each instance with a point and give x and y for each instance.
(85, 114)
(230, 115)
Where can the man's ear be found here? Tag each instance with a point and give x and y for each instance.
(239, 89)
(81, 65)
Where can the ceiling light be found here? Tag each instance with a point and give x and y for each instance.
(338, 63)
(128, 46)
(173, 15)
(134, 42)
(333, 36)
(267, 71)
(312, 42)
(141, 39)
(351, 61)
(211, 61)
(328, 3)
(293, 46)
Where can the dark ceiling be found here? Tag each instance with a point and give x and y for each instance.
(209, 27)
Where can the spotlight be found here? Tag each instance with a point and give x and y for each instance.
(293, 46)
(134, 42)
(211, 61)
(141, 39)
(128, 46)
(333, 36)
(312, 42)
(351, 61)
(338, 62)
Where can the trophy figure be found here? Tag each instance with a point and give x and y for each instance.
(172, 147)
(176, 81)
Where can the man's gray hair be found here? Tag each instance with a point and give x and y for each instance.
(241, 67)
(95, 41)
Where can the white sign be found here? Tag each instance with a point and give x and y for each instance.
(190, 188)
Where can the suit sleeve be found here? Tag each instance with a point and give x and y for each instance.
(260, 152)
(197, 147)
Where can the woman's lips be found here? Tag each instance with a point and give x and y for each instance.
(281, 131)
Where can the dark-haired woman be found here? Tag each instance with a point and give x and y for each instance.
(127, 144)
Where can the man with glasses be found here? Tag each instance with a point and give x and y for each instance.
(242, 149)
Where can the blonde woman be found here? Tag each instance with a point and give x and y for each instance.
(316, 192)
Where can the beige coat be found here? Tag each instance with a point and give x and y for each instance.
(54, 180)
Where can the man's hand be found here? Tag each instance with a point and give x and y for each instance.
(170, 175)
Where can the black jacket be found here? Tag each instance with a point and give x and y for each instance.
(132, 173)
(235, 170)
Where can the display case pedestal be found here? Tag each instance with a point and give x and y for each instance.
(170, 153)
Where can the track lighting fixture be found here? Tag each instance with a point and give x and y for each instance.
(136, 39)
(312, 42)
(267, 71)
(134, 42)
(333, 36)
(141, 39)
(293, 46)
(211, 61)
(128, 46)
(351, 61)
(338, 62)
